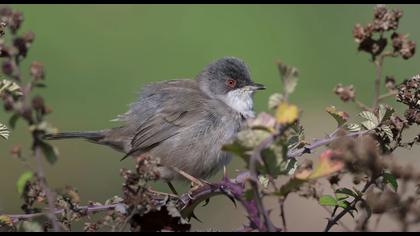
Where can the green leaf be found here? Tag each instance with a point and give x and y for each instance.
(346, 191)
(343, 204)
(271, 163)
(341, 196)
(4, 131)
(291, 186)
(263, 181)
(289, 76)
(13, 119)
(370, 117)
(30, 226)
(369, 124)
(22, 180)
(340, 116)
(50, 152)
(391, 179)
(11, 87)
(353, 127)
(274, 100)
(249, 194)
(385, 112)
(388, 132)
(327, 200)
(291, 166)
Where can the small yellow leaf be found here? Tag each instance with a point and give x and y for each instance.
(287, 113)
(6, 220)
(325, 167)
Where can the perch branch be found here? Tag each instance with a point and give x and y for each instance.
(318, 143)
(88, 209)
(49, 194)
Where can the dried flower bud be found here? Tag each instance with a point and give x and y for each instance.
(385, 19)
(15, 21)
(373, 46)
(346, 93)
(7, 67)
(2, 28)
(29, 37)
(27, 114)
(4, 51)
(38, 104)
(402, 45)
(412, 116)
(16, 150)
(37, 70)
(21, 46)
(409, 92)
(5, 11)
(7, 105)
(390, 82)
(397, 122)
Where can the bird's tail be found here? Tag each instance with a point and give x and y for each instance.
(90, 135)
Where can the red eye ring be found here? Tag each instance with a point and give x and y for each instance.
(231, 83)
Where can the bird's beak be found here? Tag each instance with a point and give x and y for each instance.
(256, 86)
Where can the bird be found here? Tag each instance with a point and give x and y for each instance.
(184, 122)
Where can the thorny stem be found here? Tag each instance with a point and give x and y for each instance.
(49, 194)
(282, 214)
(256, 156)
(89, 209)
(339, 222)
(352, 205)
(318, 143)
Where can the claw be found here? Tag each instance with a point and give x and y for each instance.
(229, 195)
(206, 202)
(194, 180)
(195, 217)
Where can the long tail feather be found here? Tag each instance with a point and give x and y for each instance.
(90, 135)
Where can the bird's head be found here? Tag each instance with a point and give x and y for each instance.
(229, 80)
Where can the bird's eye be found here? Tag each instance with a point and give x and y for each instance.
(231, 83)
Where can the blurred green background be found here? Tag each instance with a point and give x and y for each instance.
(98, 56)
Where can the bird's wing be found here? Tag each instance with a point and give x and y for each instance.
(162, 111)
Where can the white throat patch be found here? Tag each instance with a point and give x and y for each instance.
(241, 101)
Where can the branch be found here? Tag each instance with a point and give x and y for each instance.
(387, 95)
(88, 209)
(318, 143)
(256, 156)
(378, 65)
(352, 205)
(49, 194)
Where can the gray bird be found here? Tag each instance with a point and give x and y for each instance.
(184, 122)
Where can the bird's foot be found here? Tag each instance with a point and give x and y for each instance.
(162, 193)
(195, 182)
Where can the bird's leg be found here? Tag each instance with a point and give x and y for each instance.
(162, 193)
(225, 175)
(194, 181)
(172, 188)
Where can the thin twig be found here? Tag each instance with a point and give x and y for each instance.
(318, 143)
(352, 205)
(339, 222)
(256, 156)
(49, 194)
(387, 95)
(282, 214)
(361, 105)
(88, 209)
(378, 69)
